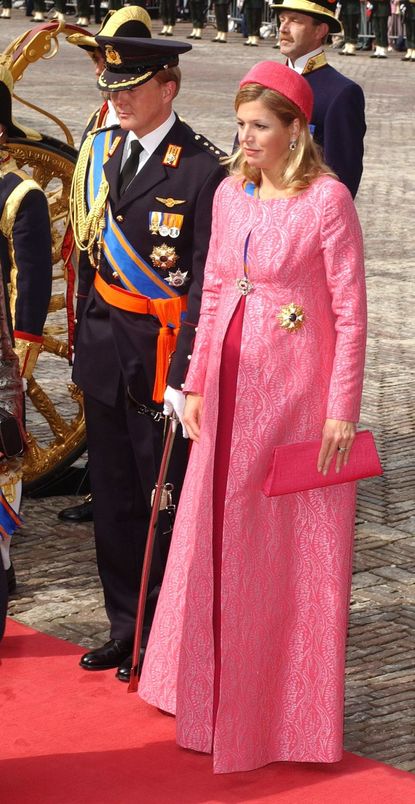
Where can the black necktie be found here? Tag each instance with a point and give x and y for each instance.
(130, 168)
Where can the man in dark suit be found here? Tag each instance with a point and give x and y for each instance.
(144, 227)
(338, 122)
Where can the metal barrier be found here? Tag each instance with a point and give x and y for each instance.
(269, 26)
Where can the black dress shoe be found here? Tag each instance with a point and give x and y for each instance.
(78, 513)
(112, 654)
(11, 580)
(124, 671)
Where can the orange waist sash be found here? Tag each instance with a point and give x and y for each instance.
(168, 312)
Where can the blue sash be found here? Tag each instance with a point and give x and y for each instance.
(249, 187)
(134, 273)
(9, 520)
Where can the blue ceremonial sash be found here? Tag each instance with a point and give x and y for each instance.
(9, 520)
(249, 187)
(134, 273)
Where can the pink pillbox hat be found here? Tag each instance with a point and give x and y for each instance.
(283, 80)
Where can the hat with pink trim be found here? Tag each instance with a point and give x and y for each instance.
(284, 80)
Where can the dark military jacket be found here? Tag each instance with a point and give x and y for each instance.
(339, 123)
(113, 345)
(26, 258)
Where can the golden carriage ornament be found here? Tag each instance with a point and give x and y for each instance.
(55, 422)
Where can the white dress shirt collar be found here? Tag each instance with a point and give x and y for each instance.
(300, 63)
(149, 142)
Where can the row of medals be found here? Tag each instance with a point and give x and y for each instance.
(291, 316)
(164, 257)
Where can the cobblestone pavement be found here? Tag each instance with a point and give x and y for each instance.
(59, 592)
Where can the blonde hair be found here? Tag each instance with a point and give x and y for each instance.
(170, 74)
(303, 165)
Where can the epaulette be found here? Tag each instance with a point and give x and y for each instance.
(103, 128)
(202, 142)
(92, 116)
(205, 145)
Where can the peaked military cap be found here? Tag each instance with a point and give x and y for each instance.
(132, 57)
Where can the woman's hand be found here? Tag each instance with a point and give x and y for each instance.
(338, 437)
(192, 415)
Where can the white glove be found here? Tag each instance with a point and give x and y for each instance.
(175, 400)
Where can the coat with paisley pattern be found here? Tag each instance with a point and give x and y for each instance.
(286, 562)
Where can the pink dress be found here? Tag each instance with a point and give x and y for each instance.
(276, 692)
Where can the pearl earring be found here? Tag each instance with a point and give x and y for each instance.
(293, 144)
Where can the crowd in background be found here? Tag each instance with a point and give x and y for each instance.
(381, 25)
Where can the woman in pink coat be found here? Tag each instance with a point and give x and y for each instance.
(248, 642)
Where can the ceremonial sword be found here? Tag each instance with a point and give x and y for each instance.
(159, 488)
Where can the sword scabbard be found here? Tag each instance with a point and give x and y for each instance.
(148, 555)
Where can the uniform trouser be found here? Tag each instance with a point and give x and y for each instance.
(168, 11)
(60, 6)
(39, 5)
(410, 27)
(380, 25)
(253, 17)
(221, 13)
(114, 5)
(351, 20)
(82, 8)
(124, 450)
(197, 12)
(7, 3)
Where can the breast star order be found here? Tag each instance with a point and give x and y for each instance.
(291, 317)
(178, 278)
(164, 256)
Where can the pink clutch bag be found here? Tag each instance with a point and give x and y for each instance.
(293, 467)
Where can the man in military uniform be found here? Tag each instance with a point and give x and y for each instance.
(104, 115)
(26, 262)
(350, 18)
(25, 241)
(198, 15)
(144, 227)
(410, 30)
(338, 121)
(380, 14)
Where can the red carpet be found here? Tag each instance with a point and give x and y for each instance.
(71, 737)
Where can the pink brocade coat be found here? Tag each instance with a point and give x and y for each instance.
(286, 562)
